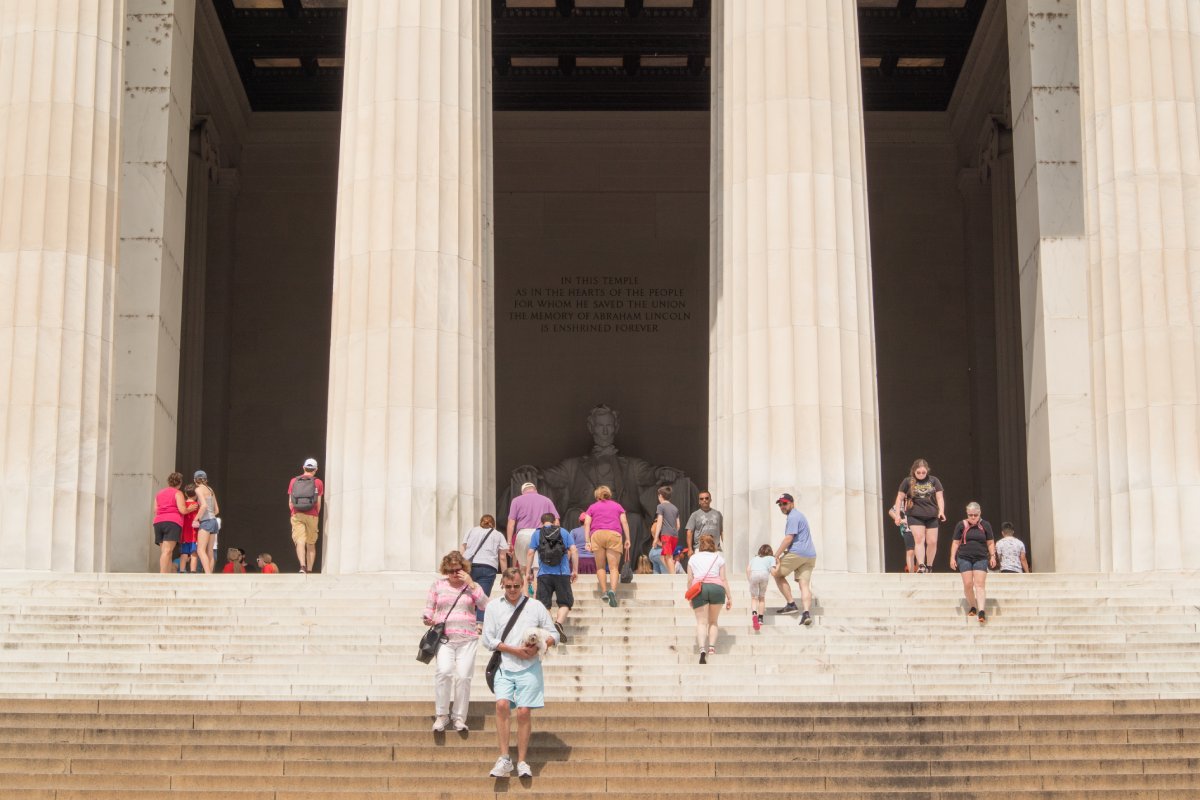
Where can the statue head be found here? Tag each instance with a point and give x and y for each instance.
(603, 424)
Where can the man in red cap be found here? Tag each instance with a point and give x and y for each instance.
(796, 556)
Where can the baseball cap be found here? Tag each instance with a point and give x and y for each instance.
(784, 498)
(310, 463)
(527, 485)
(199, 475)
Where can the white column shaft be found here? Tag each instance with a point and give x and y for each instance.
(793, 407)
(155, 128)
(1140, 66)
(60, 68)
(409, 414)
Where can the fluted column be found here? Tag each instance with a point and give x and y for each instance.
(60, 70)
(409, 396)
(1052, 253)
(793, 400)
(1140, 64)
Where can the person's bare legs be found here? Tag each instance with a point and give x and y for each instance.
(701, 626)
(502, 725)
(524, 728)
(784, 589)
(979, 579)
(614, 568)
(969, 588)
(714, 612)
(166, 551)
(918, 533)
(302, 554)
(205, 550)
(805, 594)
(930, 546)
(311, 553)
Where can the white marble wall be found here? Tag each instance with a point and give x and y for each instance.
(155, 126)
(1140, 70)
(60, 69)
(1055, 315)
(408, 446)
(793, 402)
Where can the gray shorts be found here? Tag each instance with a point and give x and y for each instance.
(209, 525)
(758, 584)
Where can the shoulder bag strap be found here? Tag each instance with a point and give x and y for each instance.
(454, 604)
(487, 536)
(513, 619)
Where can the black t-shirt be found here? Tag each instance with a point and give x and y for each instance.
(978, 535)
(924, 496)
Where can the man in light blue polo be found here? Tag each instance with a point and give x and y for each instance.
(796, 555)
(519, 679)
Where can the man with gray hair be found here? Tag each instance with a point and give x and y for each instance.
(524, 516)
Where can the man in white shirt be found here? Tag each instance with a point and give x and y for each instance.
(519, 679)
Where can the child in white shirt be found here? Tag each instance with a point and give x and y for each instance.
(1011, 551)
(760, 570)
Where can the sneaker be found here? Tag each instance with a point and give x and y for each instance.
(790, 608)
(712, 651)
(806, 619)
(612, 598)
(503, 768)
(523, 770)
(302, 570)
(439, 724)
(460, 725)
(972, 612)
(921, 569)
(562, 635)
(703, 657)
(983, 618)
(756, 622)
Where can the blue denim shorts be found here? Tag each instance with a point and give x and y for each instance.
(524, 689)
(967, 565)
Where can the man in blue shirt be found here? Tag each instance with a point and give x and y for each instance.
(554, 580)
(797, 556)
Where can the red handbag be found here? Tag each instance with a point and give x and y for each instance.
(694, 589)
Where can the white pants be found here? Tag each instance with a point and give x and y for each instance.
(455, 663)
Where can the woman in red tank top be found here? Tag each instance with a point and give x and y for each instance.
(169, 510)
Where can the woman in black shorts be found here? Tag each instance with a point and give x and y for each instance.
(169, 510)
(921, 500)
(971, 553)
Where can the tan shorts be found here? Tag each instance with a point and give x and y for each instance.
(606, 542)
(304, 528)
(803, 567)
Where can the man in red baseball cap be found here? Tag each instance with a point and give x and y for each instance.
(796, 556)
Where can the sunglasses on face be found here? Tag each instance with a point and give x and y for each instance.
(512, 586)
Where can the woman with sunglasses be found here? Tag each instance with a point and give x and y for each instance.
(971, 553)
(453, 599)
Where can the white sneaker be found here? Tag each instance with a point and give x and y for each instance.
(460, 724)
(523, 770)
(439, 724)
(503, 767)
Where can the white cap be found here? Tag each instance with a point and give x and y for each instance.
(310, 463)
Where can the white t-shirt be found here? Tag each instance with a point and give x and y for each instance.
(489, 554)
(706, 567)
(1009, 551)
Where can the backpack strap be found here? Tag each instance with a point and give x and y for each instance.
(486, 536)
(513, 620)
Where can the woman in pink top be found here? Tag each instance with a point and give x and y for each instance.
(453, 600)
(169, 509)
(606, 530)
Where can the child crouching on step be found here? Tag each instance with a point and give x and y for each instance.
(760, 570)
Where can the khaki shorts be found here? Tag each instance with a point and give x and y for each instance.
(803, 567)
(304, 528)
(606, 542)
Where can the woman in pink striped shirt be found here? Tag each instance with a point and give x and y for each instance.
(453, 599)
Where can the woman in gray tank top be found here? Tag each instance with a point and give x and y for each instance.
(206, 523)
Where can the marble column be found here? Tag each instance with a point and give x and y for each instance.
(1052, 253)
(793, 399)
(1140, 68)
(60, 72)
(409, 396)
(155, 131)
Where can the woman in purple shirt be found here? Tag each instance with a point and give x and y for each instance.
(606, 530)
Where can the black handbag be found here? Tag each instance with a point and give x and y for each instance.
(494, 662)
(434, 637)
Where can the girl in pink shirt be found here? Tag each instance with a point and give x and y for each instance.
(453, 600)
(169, 509)
(606, 529)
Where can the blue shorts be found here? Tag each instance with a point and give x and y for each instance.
(524, 689)
(967, 565)
(187, 548)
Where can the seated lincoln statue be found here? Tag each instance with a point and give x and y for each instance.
(634, 482)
